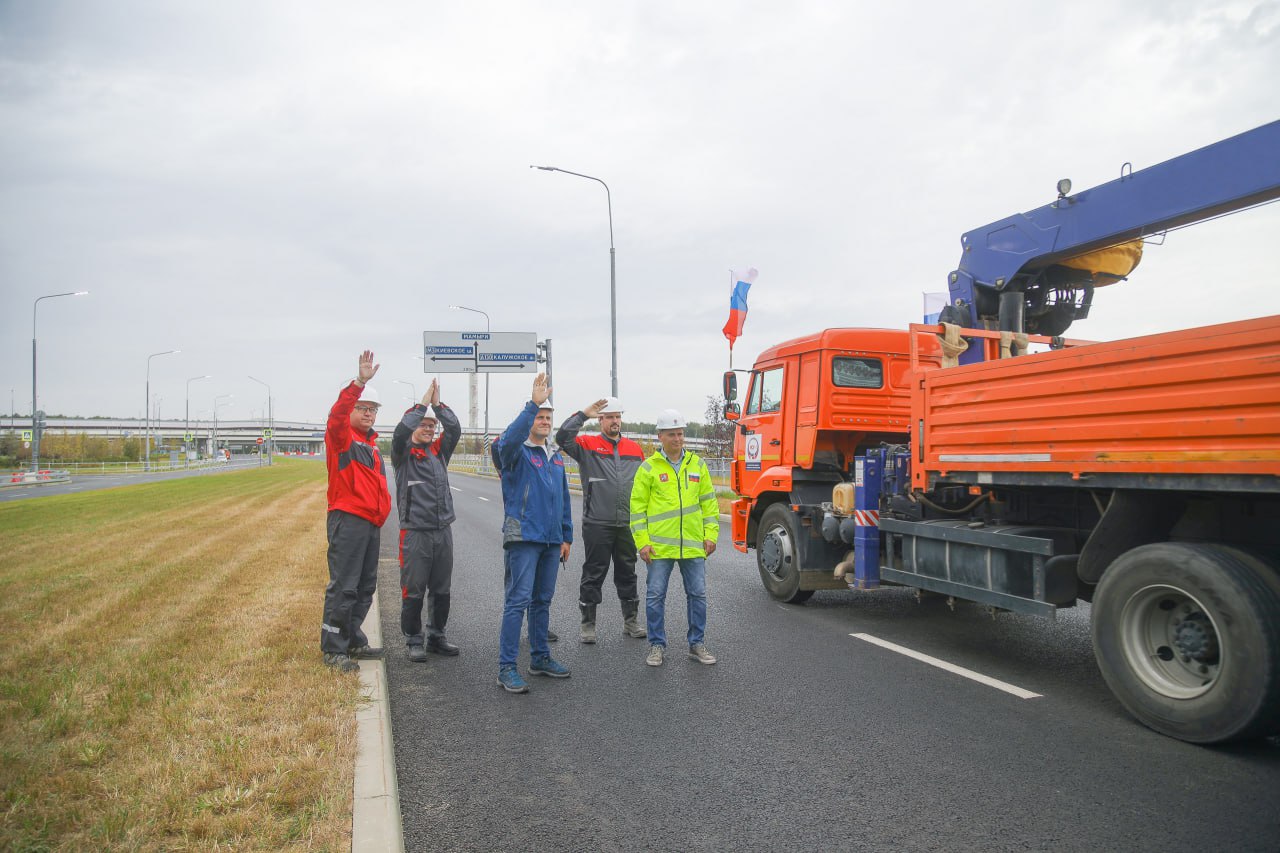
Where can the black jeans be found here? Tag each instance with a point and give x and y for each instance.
(602, 543)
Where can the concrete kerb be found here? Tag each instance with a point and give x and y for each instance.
(375, 818)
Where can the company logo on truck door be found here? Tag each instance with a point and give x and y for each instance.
(753, 453)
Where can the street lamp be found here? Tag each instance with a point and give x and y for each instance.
(147, 409)
(186, 428)
(271, 419)
(486, 376)
(215, 419)
(613, 280)
(412, 389)
(35, 418)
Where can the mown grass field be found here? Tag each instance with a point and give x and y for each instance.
(160, 679)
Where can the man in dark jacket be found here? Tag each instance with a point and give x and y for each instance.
(537, 530)
(607, 464)
(358, 505)
(425, 506)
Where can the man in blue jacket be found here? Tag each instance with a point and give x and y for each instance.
(537, 530)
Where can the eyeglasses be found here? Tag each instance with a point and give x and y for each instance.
(373, 409)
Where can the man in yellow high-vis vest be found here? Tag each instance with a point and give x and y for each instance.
(675, 520)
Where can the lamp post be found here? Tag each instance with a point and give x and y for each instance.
(146, 465)
(613, 280)
(36, 426)
(186, 419)
(486, 376)
(271, 419)
(215, 419)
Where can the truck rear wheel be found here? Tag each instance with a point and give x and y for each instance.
(778, 557)
(1188, 639)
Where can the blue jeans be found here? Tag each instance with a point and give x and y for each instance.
(531, 582)
(693, 571)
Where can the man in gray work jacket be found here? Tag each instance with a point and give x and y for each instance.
(425, 506)
(607, 464)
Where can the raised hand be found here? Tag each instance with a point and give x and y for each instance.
(432, 397)
(541, 391)
(593, 411)
(367, 368)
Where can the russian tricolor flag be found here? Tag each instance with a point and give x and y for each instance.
(740, 285)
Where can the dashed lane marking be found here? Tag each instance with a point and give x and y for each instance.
(486, 500)
(949, 667)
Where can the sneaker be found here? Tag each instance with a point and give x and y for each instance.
(417, 654)
(552, 636)
(367, 653)
(341, 662)
(510, 680)
(655, 656)
(548, 666)
(700, 654)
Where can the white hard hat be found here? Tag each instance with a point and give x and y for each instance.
(612, 405)
(369, 394)
(670, 419)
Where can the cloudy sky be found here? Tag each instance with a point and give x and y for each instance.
(272, 187)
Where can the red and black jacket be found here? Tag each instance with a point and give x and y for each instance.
(357, 479)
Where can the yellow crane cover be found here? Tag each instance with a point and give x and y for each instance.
(1108, 265)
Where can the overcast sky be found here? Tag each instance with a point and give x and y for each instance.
(272, 187)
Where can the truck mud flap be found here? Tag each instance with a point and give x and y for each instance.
(1011, 567)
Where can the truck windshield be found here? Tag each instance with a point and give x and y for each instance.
(857, 372)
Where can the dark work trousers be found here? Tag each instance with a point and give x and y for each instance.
(426, 570)
(602, 543)
(353, 577)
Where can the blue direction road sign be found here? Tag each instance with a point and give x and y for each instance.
(480, 352)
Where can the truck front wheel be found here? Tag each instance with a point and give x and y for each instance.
(1188, 639)
(778, 557)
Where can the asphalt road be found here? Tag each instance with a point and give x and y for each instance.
(92, 482)
(803, 737)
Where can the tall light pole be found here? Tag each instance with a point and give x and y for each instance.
(486, 376)
(271, 419)
(215, 419)
(412, 389)
(186, 418)
(147, 409)
(613, 279)
(35, 418)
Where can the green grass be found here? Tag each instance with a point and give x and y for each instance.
(160, 683)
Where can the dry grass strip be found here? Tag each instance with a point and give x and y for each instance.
(160, 677)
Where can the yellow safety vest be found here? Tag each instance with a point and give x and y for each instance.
(674, 511)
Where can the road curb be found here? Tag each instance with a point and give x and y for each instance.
(375, 818)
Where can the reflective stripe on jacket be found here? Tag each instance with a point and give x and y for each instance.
(605, 467)
(674, 511)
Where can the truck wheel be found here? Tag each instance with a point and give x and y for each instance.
(778, 556)
(1188, 639)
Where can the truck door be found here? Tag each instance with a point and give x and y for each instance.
(764, 420)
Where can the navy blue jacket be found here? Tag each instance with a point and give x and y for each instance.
(535, 488)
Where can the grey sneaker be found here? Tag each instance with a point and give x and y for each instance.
(700, 654)
(342, 663)
(655, 656)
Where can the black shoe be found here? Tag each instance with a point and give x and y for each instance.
(552, 636)
(417, 654)
(441, 646)
(367, 653)
(341, 662)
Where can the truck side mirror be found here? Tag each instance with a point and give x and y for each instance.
(730, 387)
(731, 411)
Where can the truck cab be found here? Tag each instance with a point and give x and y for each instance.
(813, 404)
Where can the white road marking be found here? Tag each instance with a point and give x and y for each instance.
(455, 488)
(949, 667)
(486, 500)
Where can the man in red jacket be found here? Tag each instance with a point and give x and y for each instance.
(359, 503)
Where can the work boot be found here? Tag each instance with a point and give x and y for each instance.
(630, 624)
(417, 653)
(440, 646)
(341, 662)
(436, 641)
(367, 653)
(587, 631)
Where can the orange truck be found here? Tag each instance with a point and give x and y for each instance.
(988, 458)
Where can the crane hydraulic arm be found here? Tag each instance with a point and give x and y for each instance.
(1018, 274)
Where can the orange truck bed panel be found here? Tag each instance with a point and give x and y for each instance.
(1202, 401)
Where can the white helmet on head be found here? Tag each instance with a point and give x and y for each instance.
(612, 406)
(670, 419)
(369, 394)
